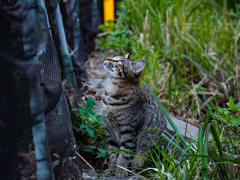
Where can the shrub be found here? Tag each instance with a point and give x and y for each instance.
(91, 129)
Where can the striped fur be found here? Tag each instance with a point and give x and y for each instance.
(128, 111)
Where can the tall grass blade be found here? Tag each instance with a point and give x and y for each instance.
(203, 148)
(216, 135)
(212, 114)
(195, 62)
(173, 143)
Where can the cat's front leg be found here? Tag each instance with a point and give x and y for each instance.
(139, 161)
(124, 158)
(113, 155)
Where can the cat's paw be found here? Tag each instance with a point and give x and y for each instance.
(121, 173)
(111, 172)
(138, 162)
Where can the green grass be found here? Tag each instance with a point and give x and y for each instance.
(190, 48)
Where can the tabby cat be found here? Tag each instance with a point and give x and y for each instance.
(128, 112)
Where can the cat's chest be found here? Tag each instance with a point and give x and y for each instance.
(117, 117)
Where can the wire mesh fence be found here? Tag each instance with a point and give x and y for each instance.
(33, 103)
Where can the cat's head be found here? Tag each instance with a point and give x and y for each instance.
(121, 67)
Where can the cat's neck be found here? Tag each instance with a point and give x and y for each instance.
(115, 86)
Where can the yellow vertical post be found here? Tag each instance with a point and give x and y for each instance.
(108, 9)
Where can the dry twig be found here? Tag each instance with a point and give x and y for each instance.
(85, 161)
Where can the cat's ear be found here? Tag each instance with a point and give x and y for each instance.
(138, 66)
(127, 56)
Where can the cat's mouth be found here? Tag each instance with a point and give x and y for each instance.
(109, 65)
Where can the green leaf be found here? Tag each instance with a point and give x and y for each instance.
(90, 131)
(81, 106)
(102, 155)
(76, 112)
(83, 125)
(238, 106)
(100, 85)
(85, 118)
(92, 118)
(82, 111)
(99, 118)
(110, 21)
(102, 27)
(231, 105)
(89, 149)
(235, 122)
(91, 112)
(90, 103)
(76, 126)
(220, 110)
(225, 111)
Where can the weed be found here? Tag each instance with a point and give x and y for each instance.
(91, 128)
(230, 115)
(119, 37)
(100, 85)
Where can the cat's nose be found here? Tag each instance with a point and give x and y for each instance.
(108, 64)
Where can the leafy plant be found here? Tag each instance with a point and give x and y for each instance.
(118, 38)
(91, 128)
(230, 115)
(226, 123)
(100, 85)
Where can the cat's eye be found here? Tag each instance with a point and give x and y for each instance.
(119, 62)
